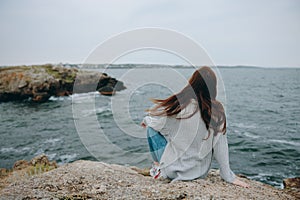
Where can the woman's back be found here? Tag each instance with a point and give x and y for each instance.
(192, 126)
(188, 154)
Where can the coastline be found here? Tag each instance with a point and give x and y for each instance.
(97, 180)
(249, 143)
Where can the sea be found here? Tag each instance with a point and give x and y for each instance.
(262, 108)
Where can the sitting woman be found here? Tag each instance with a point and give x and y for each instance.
(186, 130)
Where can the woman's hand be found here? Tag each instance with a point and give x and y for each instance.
(143, 124)
(238, 182)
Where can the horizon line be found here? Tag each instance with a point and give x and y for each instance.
(162, 64)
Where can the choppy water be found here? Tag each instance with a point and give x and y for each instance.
(263, 110)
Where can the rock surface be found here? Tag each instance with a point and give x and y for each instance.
(293, 186)
(41, 82)
(97, 180)
(292, 182)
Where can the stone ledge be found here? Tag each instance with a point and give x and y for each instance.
(97, 180)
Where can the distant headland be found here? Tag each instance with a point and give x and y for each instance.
(39, 82)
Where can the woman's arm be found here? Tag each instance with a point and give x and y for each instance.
(158, 123)
(220, 153)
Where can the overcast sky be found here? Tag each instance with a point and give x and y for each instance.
(234, 32)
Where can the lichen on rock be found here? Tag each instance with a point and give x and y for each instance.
(293, 186)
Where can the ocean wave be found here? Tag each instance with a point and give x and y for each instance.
(104, 110)
(14, 150)
(39, 152)
(265, 177)
(84, 97)
(250, 135)
(78, 95)
(269, 177)
(285, 142)
(51, 156)
(242, 125)
(63, 98)
(67, 158)
(247, 134)
(52, 141)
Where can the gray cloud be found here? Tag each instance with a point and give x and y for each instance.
(263, 33)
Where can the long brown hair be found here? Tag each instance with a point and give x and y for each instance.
(202, 87)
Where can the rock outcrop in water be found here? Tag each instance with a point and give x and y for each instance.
(97, 180)
(39, 83)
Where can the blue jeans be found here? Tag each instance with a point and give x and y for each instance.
(157, 143)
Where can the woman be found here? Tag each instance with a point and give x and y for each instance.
(186, 130)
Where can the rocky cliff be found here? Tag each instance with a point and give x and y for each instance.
(39, 83)
(97, 180)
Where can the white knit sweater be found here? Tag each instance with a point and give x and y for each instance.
(188, 154)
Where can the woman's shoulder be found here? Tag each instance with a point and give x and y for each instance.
(193, 102)
(189, 110)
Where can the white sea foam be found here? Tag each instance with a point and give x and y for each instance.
(53, 98)
(97, 110)
(100, 110)
(39, 152)
(263, 177)
(14, 150)
(68, 158)
(7, 150)
(84, 94)
(247, 134)
(51, 156)
(242, 125)
(286, 142)
(250, 135)
(77, 96)
(52, 141)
